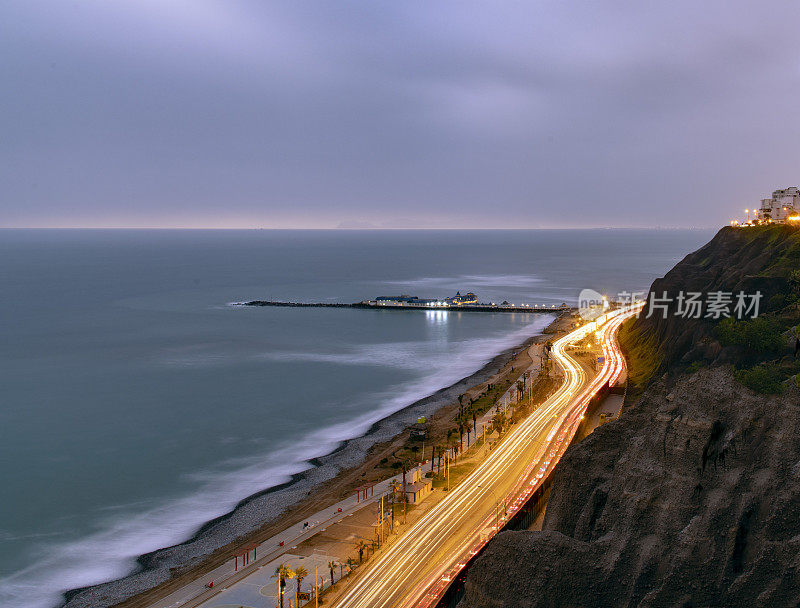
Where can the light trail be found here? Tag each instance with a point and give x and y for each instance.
(417, 568)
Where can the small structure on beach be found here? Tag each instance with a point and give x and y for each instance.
(419, 431)
(244, 553)
(365, 491)
(419, 488)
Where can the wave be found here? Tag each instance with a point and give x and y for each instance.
(414, 356)
(129, 531)
(468, 282)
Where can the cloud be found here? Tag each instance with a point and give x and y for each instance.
(412, 114)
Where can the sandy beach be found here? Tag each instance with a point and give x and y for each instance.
(329, 479)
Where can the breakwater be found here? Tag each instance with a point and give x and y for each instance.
(535, 308)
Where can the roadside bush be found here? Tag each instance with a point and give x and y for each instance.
(759, 335)
(765, 379)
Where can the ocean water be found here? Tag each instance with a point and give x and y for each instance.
(136, 403)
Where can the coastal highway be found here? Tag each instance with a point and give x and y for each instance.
(416, 569)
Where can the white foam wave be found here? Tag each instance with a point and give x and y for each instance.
(473, 282)
(111, 552)
(405, 355)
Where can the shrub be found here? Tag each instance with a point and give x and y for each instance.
(765, 379)
(695, 366)
(777, 302)
(759, 335)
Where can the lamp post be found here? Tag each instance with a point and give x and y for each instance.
(447, 467)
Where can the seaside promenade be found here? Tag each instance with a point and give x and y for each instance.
(250, 585)
(341, 525)
(252, 580)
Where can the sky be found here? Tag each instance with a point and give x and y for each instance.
(411, 114)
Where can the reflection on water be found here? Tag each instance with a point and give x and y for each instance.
(436, 317)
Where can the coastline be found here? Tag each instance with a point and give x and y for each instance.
(258, 516)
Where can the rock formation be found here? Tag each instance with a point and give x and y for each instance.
(692, 497)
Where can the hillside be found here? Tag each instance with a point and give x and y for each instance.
(763, 260)
(692, 497)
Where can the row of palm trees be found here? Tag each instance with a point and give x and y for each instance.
(467, 424)
(284, 572)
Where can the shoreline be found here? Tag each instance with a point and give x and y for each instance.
(260, 514)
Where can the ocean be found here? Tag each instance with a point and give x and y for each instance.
(137, 403)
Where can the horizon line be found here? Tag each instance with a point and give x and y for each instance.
(345, 229)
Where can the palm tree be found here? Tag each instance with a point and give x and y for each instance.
(331, 567)
(475, 424)
(282, 573)
(300, 573)
(361, 547)
(351, 564)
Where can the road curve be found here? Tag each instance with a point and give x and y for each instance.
(415, 570)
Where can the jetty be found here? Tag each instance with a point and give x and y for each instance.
(467, 303)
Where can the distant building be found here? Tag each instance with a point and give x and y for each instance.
(395, 300)
(459, 300)
(409, 301)
(784, 206)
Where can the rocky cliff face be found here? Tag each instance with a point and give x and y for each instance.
(692, 497)
(750, 261)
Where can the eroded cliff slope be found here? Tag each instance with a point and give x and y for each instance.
(692, 497)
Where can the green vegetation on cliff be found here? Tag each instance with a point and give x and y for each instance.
(761, 335)
(764, 378)
(763, 260)
(641, 353)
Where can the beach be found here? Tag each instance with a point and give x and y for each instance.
(330, 478)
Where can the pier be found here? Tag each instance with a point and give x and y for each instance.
(408, 306)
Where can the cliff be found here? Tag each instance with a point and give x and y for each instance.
(764, 261)
(692, 497)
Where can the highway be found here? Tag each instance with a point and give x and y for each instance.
(415, 570)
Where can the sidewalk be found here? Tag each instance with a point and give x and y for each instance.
(268, 552)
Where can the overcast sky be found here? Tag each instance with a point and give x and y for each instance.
(233, 113)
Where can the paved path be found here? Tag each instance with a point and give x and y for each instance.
(197, 593)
